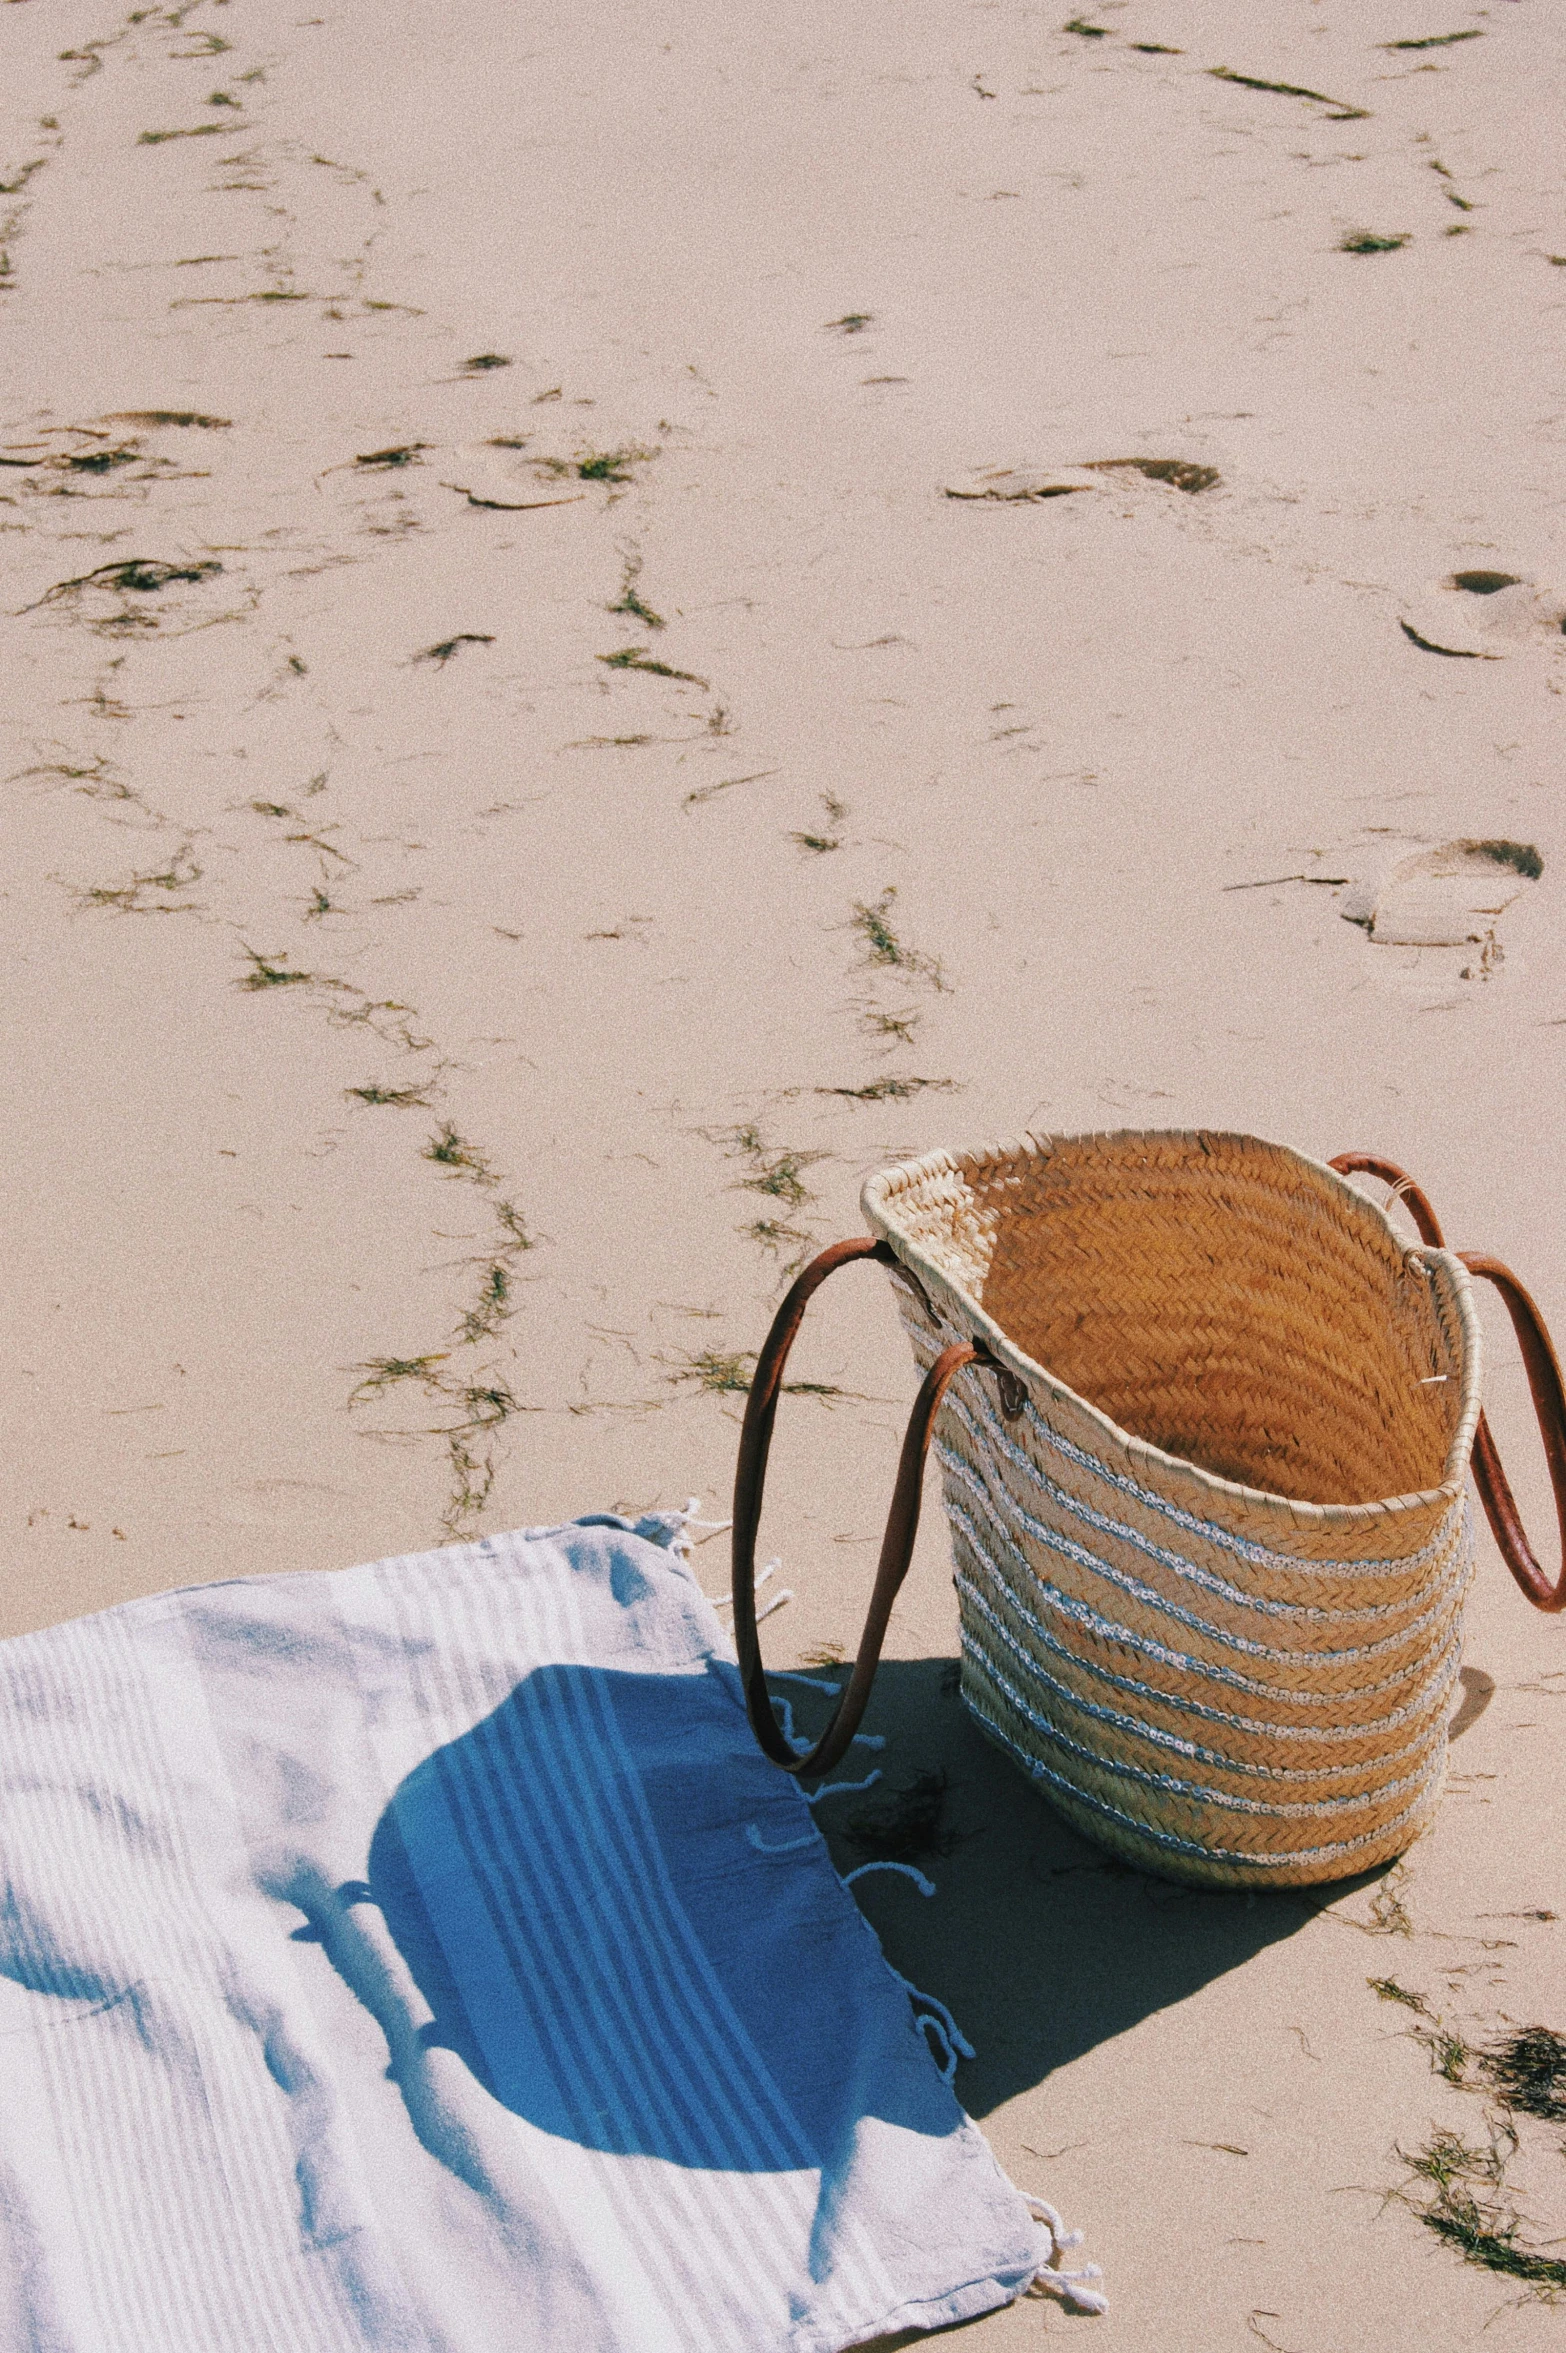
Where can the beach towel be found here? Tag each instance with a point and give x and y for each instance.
(424, 1956)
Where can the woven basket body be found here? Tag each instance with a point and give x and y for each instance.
(1211, 1575)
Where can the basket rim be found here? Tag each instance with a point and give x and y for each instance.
(1173, 1469)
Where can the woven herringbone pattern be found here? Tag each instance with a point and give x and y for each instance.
(1212, 1576)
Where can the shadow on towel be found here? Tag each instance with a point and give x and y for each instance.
(621, 1921)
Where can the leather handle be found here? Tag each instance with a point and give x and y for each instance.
(902, 1524)
(1544, 1384)
(1549, 1404)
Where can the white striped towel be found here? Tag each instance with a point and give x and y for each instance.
(425, 1957)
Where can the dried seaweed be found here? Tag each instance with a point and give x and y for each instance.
(383, 1372)
(485, 1317)
(719, 1373)
(268, 972)
(1387, 1989)
(138, 575)
(441, 654)
(889, 1090)
(452, 1152)
(200, 131)
(1342, 113)
(906, 1823)
(1484, 2232)
(873, 924)
(1528, 2070)
(1436, 40)
(1522, 857)
(101, 461)
(398, 1098)
(635, 657)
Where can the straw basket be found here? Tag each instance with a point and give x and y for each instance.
(1204, 1419)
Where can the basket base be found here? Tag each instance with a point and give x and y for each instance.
(1146, 1851)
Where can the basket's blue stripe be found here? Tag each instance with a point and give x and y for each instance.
(998, 1510)
(1138, 1726)
(1206, 1850)
(993, 1436)
(1199, 1793)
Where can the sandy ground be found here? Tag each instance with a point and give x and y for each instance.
(521, 789)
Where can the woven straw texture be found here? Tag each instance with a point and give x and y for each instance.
(1212, 1576)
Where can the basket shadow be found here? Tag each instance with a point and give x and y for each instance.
(1042, 1945)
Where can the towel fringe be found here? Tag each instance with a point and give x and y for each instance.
(683, 1521)
(725, 1601)
(787, 1846)
(925, 1886)
(1051, 2278)
(842, 1788)
(785, 1717)
(931, 2012)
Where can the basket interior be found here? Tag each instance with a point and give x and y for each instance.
(1219, 1297)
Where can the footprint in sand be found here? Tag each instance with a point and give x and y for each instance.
(1446, 896)
(494, 474)
(1482, 616)
(1021, 485)
(1177, 473)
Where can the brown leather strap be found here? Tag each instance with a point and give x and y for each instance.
(1403, 1186)
(1549, 1403)
(1544, 1383)
(902, 1524)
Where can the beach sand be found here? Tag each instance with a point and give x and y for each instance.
(522, 788)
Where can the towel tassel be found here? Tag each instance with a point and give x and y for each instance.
(1051, 2278)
